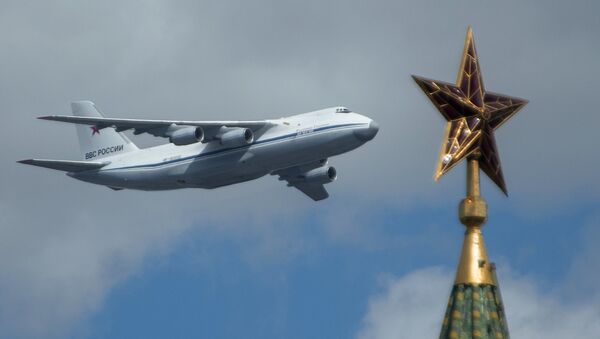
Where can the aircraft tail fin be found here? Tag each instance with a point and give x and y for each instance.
(97, 142)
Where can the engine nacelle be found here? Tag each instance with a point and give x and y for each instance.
(321, 175)
(234, 137)
(187, 136)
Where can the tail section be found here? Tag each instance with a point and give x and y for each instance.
(98, 143)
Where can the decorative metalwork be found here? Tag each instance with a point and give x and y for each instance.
(472, 114)
(475, 308)
(474, 311)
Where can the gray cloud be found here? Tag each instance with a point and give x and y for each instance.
(69, 243)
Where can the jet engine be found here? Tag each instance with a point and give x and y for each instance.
(321, 175)
(234, 137)
(187, 135)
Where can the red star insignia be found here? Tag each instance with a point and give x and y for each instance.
(472, 115)
(95, 130)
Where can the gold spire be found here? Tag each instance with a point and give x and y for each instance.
(475, 308)
(474, 266)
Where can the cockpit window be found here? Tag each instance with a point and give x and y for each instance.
(342, 110)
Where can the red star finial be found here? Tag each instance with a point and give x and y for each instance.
(95, 130)
(472, 114)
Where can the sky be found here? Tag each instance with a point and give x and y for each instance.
(259, 260)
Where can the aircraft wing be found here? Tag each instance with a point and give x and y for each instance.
(65, 165)
(292, 174)
(154, 127)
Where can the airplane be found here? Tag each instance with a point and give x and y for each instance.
(211, 154)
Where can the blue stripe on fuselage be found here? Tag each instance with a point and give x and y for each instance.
(201, 155)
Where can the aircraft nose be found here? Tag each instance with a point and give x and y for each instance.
(368, 133)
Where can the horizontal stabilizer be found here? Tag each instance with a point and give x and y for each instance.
(65, 165)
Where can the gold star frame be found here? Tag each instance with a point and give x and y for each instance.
(472, 116)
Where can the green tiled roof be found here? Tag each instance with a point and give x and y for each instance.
(475, 311)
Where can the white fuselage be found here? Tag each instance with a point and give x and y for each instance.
(289, 142)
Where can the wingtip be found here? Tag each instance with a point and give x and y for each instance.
(25, 161)
(45, 117)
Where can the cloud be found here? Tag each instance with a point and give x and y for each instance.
(57, 270)
(534, 313)
(412, 306)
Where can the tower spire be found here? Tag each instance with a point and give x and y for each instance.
(475, 308)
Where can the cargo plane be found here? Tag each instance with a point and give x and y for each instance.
(211, 154)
